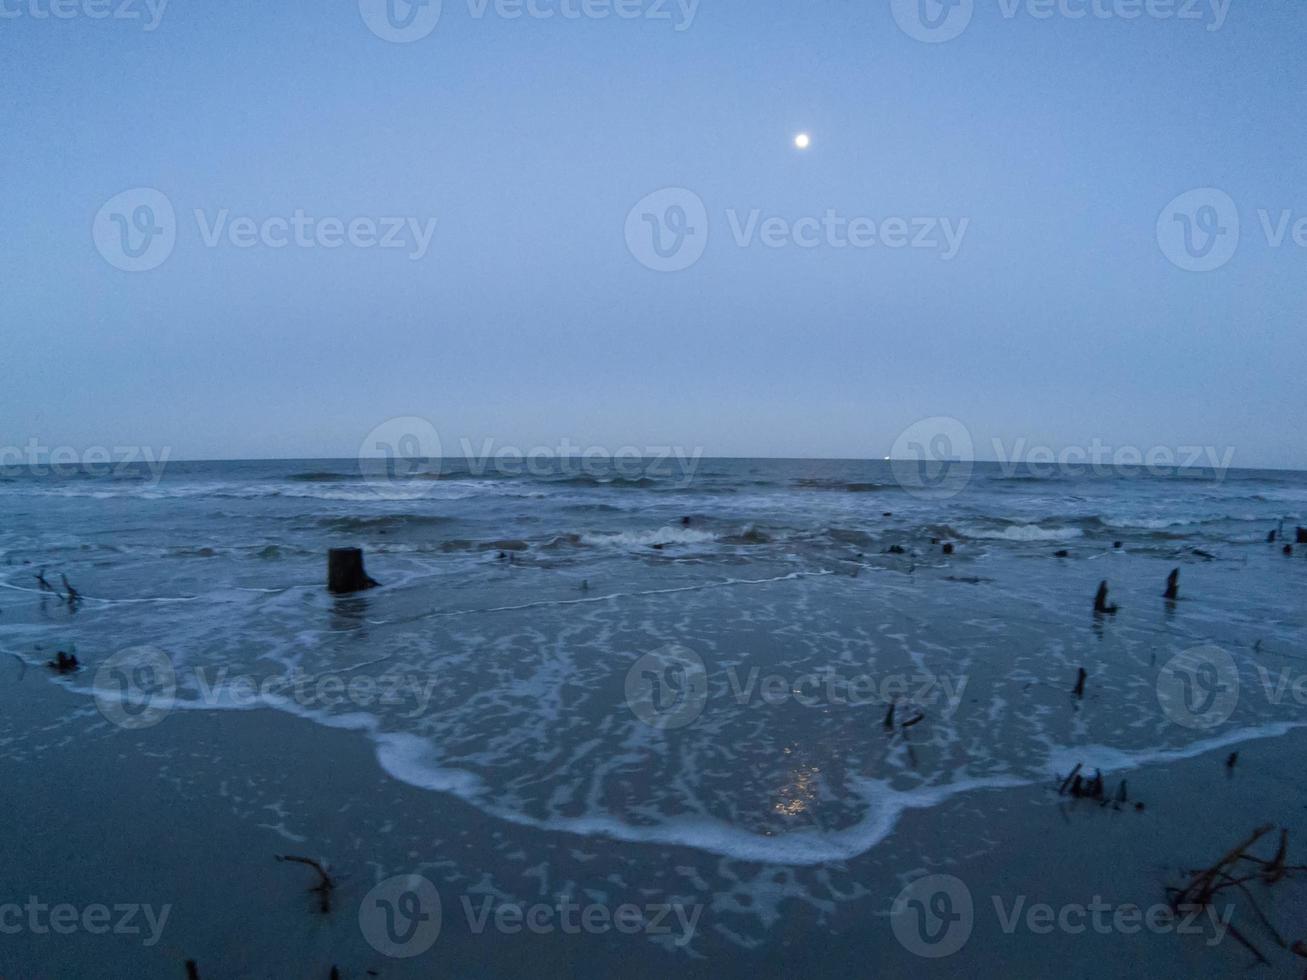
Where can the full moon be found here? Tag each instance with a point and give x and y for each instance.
(802, 141)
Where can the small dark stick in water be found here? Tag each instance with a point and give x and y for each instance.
(1302, 535)
(192, 971)
(1100, 601)
(1270, 538)
(1080, 684)
(948, 549)
(889, 718)
(64, 663)
(1173, 585)
(326, 882)
(40, 580)
(1232, 760)
(1288, 549)
(74, 597)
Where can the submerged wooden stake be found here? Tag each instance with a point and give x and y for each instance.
(1173, 585)
(345, 573)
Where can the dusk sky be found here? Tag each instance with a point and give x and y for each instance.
(1049, 145)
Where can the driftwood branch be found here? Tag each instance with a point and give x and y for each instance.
(326, 883)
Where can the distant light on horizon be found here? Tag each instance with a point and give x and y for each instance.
(803, 141)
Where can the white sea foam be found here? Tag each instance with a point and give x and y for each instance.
(646, 539)
(1021, 532)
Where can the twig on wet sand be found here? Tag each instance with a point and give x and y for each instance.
(326, 883)
(1203, 887)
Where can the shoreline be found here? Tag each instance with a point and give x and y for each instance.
(145, 810)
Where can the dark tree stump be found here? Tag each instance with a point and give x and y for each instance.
(1101, 605)
(1172, 586)
(345, 572)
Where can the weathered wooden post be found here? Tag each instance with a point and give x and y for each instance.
(1172, 586)
(345, 573)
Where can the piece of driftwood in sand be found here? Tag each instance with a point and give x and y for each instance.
(1081, 787)
(345, 572)
(326, 883)
(1235, 871)
(1101, 605)
(1172, 586)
